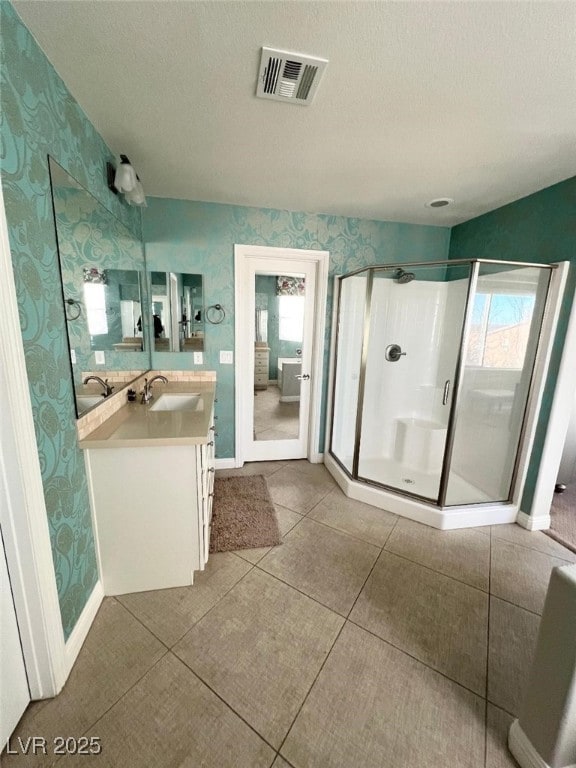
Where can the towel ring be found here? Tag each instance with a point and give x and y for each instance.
(215, 314)
(69, 311)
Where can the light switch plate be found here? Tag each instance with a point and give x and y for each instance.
(226, 358)
(198, 358)
(73, 356)
(99, 358)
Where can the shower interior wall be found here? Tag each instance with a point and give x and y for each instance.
(425, 318)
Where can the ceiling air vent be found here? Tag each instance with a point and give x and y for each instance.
(291, 77)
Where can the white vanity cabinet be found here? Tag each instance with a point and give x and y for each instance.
(152, 508)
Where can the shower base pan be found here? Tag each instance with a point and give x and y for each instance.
(466, 515)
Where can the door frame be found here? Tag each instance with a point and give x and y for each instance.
(24, 520)
(280, 259)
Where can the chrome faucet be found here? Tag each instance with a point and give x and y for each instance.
(147, 391)
(107, 387)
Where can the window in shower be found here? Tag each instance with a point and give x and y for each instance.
(499, 330)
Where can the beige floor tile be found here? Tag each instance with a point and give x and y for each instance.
(440, 621)
(521, 575)
(170, 613)
(260, 649)
(374, 706)
(171, 719)
(323, 563)
(353, 517)
(300, 487)
(513, 633)
(533, 540)
(497, 726)
(117, 652)
(286, 521)
(463, 554)
(280, 763)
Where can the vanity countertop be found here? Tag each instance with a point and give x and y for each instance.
(135, 425)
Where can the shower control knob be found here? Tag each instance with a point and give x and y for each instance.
(393, 353)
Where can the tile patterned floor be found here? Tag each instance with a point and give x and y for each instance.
(364, 639)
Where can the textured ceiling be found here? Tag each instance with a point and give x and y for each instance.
(471, 100)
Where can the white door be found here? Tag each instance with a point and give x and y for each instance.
(14, 694)
(278, 376)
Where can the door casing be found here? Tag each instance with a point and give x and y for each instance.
(278, 260)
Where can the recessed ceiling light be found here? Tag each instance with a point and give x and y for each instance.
(439, 202)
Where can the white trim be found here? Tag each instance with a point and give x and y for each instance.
(557, 426)
(225, 464)
(533, 522)
(522, 749)
(322, 260)
(25, 523)
(332, 362)
(82, 626)
(539, 374)
(467, 516)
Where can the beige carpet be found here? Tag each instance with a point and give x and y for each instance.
(243, 516)
(563, 518)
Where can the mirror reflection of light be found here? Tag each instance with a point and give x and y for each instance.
(291, 318)
(95, 299)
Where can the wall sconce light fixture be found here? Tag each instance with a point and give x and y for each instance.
(124, 179)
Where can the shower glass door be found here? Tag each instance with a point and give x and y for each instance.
(350, 331)
(410, 355)
(507, 308)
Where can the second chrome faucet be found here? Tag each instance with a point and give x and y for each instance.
(147, 391)
(106, 387)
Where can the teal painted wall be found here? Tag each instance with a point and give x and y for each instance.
(40, 117)
(538, 228)
(187, 236)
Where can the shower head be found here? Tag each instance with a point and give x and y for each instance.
(404, 277)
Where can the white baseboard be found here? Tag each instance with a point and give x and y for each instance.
(225, 463)
(533, 522)
(76, 639)
(522, 749)
(315, 458)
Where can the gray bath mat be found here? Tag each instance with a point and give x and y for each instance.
(243, 516)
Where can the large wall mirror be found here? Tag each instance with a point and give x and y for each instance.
(177, 312)
(104, 287)
(279, 336)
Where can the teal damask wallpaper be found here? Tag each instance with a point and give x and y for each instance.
(188, 236)
(40, 117)
(538, 228)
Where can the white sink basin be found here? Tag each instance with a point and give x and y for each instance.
(87, 401)
(178, 401)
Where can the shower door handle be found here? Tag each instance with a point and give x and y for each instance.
(446, 392)
(393, 353)
(302, 376)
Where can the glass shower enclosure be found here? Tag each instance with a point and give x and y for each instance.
(433, 375)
